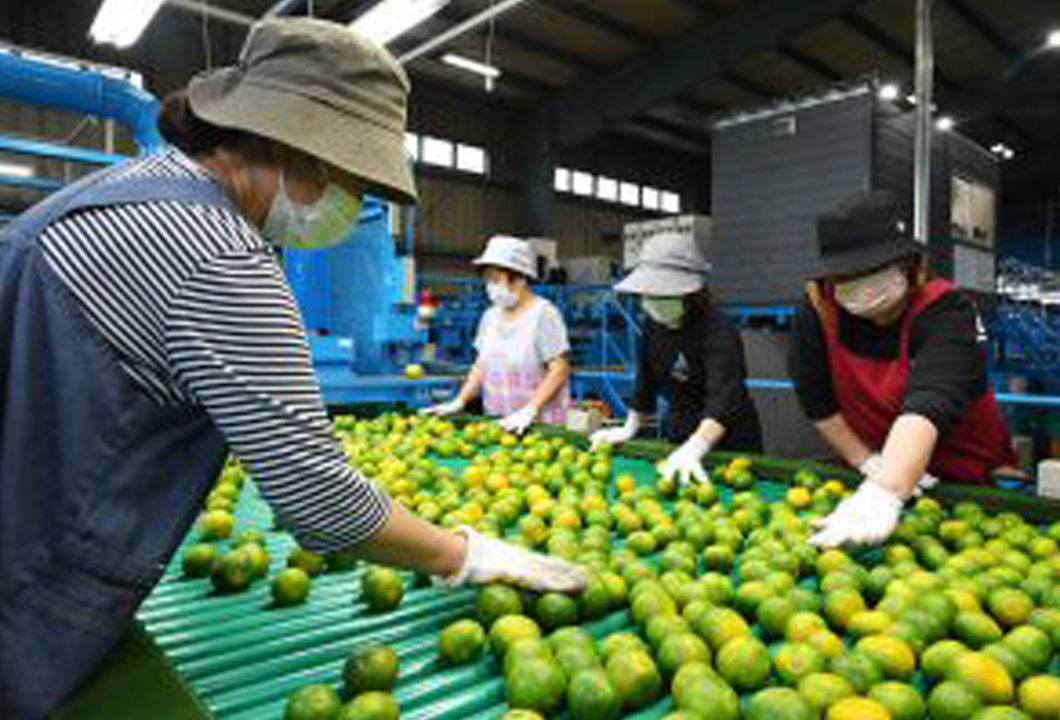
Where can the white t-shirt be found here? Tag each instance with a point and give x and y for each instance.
(542, 321)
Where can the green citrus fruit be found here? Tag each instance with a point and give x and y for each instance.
(537, 685)
(290, 587)
(953, 701)
(554, 610)
(370, 669)
(822, 690)
(1039, 697)
(462, 642)
(496, 601)
(382, 589)
(591, 696)
(857, 708)
(745, 663)
(232, 572)
(779, 704)
(711, 697)
(510, 628)
(678, 649)
(902, 701)
(197, 561)
(371, 706)
(794, 661)
(635, 677)
(313, 702)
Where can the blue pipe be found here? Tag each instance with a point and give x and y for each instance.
(81, 90)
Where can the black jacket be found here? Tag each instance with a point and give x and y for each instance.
(700, 369)
(946, 353)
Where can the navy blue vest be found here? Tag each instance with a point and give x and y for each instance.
(98, 483)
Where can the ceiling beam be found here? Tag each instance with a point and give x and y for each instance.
(676, 129)
(809, 62)
(988, 32)
(579, 11)
(949, 96)
(755, 27)
(526, 43)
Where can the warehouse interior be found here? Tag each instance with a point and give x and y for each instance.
(588, 129)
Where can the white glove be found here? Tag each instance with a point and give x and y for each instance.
(874, 463)
(518, 421)
(868, 517)
(686, 462)
(617, 435)
(445, 409)
(490, 560)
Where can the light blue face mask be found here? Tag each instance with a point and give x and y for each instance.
(326, 222)
(667, 311)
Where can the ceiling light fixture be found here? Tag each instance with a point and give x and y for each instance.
(1003, 151)
(122, 22)
(944, 123)
(889, 92)
(16, 170)
(1052, 40)
(472, 66)
(389, 19)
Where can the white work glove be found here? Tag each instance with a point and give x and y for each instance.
(518, 421)
(874, 463)
(686, 462)
(445, 409)
(868, 517)
(616, 435)
(490, 560)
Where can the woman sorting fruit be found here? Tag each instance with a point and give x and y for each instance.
(891, 368)
(693, 355)
(522, 345)
(146, 329)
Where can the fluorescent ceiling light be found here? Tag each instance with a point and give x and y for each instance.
(472, 66)
(389, 19)
(15, 170)
(889, 92)
(121, 22)
(944, 123)
(1053, 39)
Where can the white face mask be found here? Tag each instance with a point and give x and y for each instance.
(501, 295)
(875, 294)
(666, 311)
(326, 222)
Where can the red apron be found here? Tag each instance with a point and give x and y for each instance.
(870, 393)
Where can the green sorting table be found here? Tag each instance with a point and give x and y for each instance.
(236, 658)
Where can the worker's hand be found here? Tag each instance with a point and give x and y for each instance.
(616, 435)
(490, 560)
(868, 517)
(518, 421)
(874, 463)
(685, 463)
(452, 407)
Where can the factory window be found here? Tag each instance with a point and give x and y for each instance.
(582, 183)
(437, 152)
(649, 198)
(471, 158)
(561, 180)
(670, 202)
(630, 194)
(412, 146)
(607, 189)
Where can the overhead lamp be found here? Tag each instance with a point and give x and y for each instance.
(121, 22)
(889, 92)
(472, 66)
(1003, 151)
(16, 170)
(1052, 40)
(388, 19)
(944, 123)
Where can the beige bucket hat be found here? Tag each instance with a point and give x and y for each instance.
(321, 88)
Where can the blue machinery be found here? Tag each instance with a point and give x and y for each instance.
(360, 333)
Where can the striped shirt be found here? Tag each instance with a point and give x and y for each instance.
(198, 311)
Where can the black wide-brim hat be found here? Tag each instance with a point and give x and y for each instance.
(868, 231)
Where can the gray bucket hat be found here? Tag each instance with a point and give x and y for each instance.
(670, 264)
(321, 88)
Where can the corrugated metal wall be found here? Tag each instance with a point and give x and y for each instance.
(770, 186)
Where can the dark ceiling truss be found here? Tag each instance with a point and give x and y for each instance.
(984, 29)
(581, 12)
(947, 86)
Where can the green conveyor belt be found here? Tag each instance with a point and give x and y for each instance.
(240, 657)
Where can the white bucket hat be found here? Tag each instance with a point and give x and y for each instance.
(670, 264)
(510, 253)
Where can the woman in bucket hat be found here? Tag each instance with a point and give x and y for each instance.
(693, 355)
(891, 367)
(521, 368)
(146, 330)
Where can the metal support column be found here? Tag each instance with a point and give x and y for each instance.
(925, 74)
